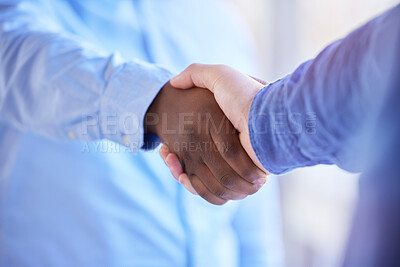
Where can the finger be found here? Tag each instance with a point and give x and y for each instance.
(228, 144)
(174, 165)
(184, 180)
(197, 75)
(226, 176)
(202, 190)
(164, 151)
(214, 186)
(172, 161)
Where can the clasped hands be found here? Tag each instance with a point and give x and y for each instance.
(205, 136)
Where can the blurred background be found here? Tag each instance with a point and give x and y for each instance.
(317, 202)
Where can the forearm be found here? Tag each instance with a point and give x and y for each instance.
(311, 116)
(55, 86)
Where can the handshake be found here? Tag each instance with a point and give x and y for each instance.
(205, 132)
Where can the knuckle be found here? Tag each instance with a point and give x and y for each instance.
(248, 173)
(228, 180)
(222, 67)
(210, 198)
(230, 150)
(204, 194)
(219, 191)
(194, 65)
(254, 189)
(224, 70)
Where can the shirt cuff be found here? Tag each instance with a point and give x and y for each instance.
(126, 99)
(272, 129)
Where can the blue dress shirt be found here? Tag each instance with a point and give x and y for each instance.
(324, 112)
(71, 193)
(343, 108)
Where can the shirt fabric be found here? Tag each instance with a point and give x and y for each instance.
(323, 112)
(71, 193)
(343, 108)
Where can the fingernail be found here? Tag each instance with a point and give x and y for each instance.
(260, 181)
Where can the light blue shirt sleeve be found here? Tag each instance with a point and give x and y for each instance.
(323, 112)
(257, 223)
(95, 203)
(53, 84)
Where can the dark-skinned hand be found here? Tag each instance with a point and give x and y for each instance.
(194, 128)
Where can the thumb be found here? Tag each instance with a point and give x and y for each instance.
(197, 75)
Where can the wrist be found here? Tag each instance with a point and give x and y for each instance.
(153, 117)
